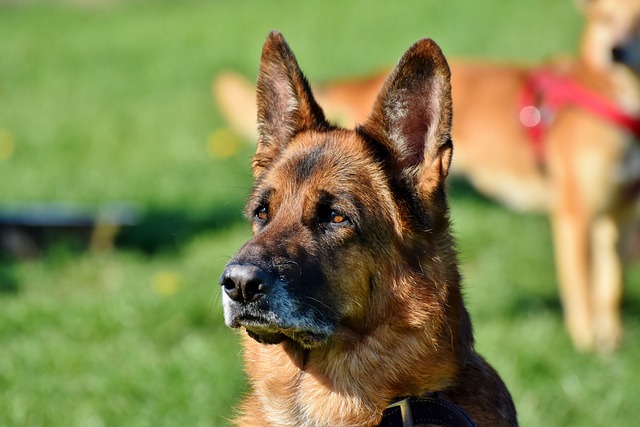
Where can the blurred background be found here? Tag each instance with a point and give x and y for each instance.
(121, 193)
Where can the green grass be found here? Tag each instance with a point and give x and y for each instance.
(119, 339)
(112, 103)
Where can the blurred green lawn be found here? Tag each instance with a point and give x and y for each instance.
(106, 100)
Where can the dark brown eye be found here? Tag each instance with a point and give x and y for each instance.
(262, 214)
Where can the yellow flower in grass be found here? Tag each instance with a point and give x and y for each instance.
(223, 144)
(7, 144)
(166, 283)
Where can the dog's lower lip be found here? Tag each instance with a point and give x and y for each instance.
(253, 321)
(260, 326)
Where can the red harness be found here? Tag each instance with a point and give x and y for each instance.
(546, 93)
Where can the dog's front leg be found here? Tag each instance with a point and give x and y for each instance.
(607, 282)
(571, 233)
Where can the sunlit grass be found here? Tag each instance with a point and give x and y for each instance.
(112, 103)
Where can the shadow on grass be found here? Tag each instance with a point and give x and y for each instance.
(167, 230)
(149, 231)
(525, 305)
(8, 281)
(631, 306)
(156, 231)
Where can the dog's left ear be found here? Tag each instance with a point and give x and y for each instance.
(285, 103)
(412, 116)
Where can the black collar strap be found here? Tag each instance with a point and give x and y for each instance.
(410, 411)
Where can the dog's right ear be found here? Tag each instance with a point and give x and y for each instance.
(286, 105)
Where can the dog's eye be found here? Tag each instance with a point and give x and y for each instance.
(336, 217)
(262, 214)
(331, 216)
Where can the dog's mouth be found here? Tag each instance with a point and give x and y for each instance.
(266, 331)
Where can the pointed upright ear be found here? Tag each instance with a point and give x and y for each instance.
(285, 103)
(412, 116)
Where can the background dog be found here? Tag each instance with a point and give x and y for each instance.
(349, 290)
(561, 138)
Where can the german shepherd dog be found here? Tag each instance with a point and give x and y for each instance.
(579, 160)
(349, 290)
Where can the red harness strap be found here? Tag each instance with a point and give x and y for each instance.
(546, 92)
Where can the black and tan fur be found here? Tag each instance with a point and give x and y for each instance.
(349, 289)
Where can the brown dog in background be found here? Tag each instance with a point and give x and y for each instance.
(349, 290)
(577, 164)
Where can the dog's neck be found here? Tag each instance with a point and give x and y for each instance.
(361, 379)
(615, 81)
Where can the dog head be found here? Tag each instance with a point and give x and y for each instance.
(612, 34)
(343, 219)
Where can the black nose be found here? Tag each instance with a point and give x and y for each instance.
(619, 54)
(245, 282)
